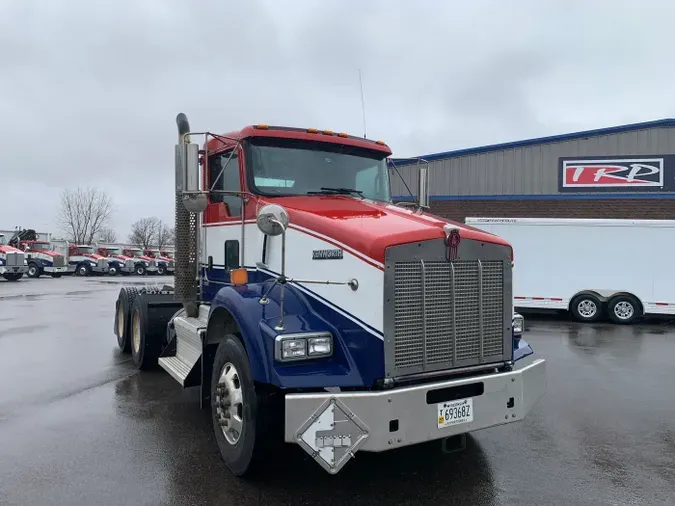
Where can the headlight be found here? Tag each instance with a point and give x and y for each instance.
(291, 347)
(518, 324)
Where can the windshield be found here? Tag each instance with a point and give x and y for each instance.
(3, 240)
(85, 249)
(298, 167)
(41, 246)
(166, 254)
(136, 253)
(114, 251)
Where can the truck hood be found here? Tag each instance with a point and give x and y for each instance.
(9, 249)
(93, 256)
(122, 258)
(46, 252)
(370, 227)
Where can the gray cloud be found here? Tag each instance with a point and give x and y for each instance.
(89, 90)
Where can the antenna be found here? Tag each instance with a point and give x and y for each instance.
(363, 105)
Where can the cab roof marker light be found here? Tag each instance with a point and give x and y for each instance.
(381, 143)
(342, 134)
(327, 132)
(312, 131)
(261, 126)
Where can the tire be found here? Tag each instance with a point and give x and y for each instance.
(140, 270)
(243, 455)
(83, 270)
(12, 276)
(113, 270)
(624, 309)
(33, 270)
(586, 308)
(150, 315)
(125, 302)
(161, 270)
(55, 275)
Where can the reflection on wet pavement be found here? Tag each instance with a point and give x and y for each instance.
(79, 425)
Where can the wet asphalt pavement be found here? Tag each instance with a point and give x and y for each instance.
(79, 425)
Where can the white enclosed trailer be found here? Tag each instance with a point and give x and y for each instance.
(593, 268)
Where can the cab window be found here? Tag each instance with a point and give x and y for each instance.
(228, 180)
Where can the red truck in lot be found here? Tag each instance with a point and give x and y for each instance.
(165, 263)
(127, 265)
(144, 264)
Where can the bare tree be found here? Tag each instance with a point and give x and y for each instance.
(164, 234)
(107, 234)
(83, 212)
(144, 232)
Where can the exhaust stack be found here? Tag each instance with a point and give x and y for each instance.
(186, 282)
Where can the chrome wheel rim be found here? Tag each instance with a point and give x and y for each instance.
(120, 321)
(136, 331)
(32, 270)
(587, 308)
(624, 310)
(229, 403)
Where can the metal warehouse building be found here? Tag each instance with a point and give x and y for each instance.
(619, 172)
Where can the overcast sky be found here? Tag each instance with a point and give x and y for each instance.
(89, 90)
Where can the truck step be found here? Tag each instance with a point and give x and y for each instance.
(178, 369)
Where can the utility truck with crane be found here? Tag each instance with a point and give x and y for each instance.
(40, 256)
(308, 308)
(13, 263)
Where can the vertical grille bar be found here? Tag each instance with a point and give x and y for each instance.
(454, 312)
(480, 312)
(424, 314)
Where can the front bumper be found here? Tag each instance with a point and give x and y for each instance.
(55, 270)
(151, 268)
(333, 426)
(99, 268)
(13, 269)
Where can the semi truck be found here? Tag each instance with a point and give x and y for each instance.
(82, 259)
(40, 257)
(308, 308)
(126, 265)
(144, 264)
(13, 263)
(165, 263)
(593, 269)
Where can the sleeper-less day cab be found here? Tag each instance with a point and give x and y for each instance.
(311, 309)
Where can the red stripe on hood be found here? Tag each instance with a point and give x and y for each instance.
(9, 249)
(370, 227)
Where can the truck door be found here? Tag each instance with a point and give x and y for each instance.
(222, 228)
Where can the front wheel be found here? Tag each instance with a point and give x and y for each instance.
(161, 270)
(83, 270)
(13, 276)
(586, 308)
(113, 270)
(55, 275)
(237, 409)
(33, 270)
(140, 269)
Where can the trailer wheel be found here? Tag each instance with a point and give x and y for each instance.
(240, 414)
(586, 308)
(624, 309)
(33, 270)
(125, 302)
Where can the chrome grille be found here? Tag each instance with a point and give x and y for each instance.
(102, 263)
(13, 259)
(129, 264)
(442, 314)
(170, 264)
(58, 261)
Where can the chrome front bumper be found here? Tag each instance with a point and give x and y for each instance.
(13, 269)
(55, 270)
(333, 426)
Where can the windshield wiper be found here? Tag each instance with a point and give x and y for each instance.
(336, 191)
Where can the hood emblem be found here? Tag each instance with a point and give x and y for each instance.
(327, 254)
(452, 240)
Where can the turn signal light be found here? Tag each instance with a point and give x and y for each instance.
(239, 276)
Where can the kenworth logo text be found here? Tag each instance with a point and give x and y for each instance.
(622, 173)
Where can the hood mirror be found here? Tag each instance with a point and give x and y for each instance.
(272, 219)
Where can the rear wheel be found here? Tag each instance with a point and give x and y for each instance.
(125, 302)
(624, 309)
(586, 307)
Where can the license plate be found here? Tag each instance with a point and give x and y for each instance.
(454, 412)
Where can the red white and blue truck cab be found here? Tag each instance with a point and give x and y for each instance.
(310, 308)
(144, 264)
(165, 263)
(40, 257)
(13, 264)
(118, 262)
(81, 259)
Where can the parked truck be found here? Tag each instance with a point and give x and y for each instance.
(13, 263)
(580, 265)
(125, 265)
(144, 264)
(308, 308)
(81, 259)
(165, 263)
(40, 257)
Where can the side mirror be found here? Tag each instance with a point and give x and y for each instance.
(272, 219)
(423, 187)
